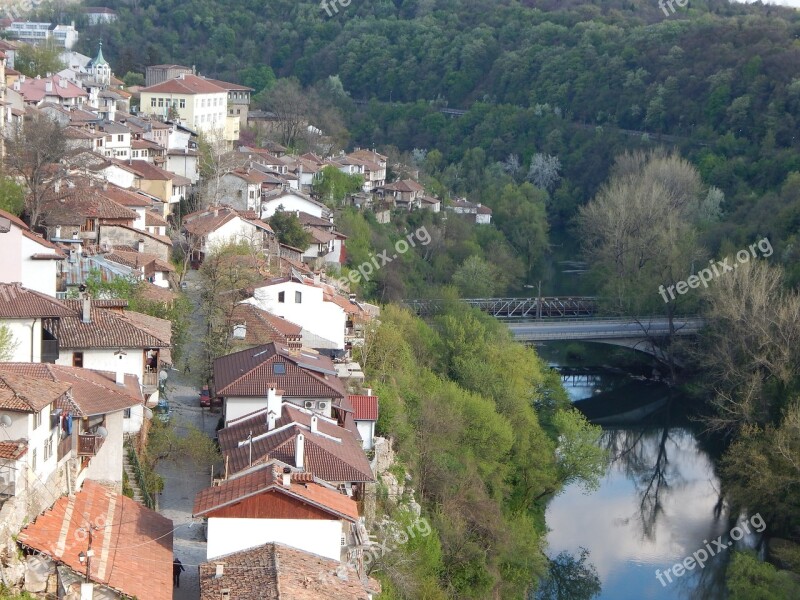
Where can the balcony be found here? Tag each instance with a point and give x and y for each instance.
(89, 444)
(150, 379)
(49, 350)
(64, 447)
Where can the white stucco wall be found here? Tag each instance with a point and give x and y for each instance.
(22, 428)
(290, 203)
(106, 466)
(319, 536)
(11, 248)
(366, 429)
(120, 177)
(240, 406)
(183, 165)
(104, 360)
(236, 230)
(325, 319)
(21, 330)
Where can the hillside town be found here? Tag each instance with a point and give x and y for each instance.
(152, 183)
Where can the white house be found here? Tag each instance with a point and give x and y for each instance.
(365, 415)
(291, 201)
(271, 504)
(27, 258)
(300, 301)
(118, 140)
(220, 225)
(183, 162)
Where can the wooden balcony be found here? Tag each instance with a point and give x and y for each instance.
(150, 379)
(64, 447)
(89, 444)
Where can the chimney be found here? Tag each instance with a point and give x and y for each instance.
(57, 186)
(299, 450)
(274, 401)
(140, 246)
(369, 392)
(313, 423)
(48, 87)
(120, 374)
(271, 416)
(63, 82)
(287, 477)
(58, 231)
(87, 309)
(220, 570)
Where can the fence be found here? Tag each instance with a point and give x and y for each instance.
(140, 478)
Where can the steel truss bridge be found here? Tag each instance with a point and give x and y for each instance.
(520, 308)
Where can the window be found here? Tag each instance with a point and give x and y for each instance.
(182, 103)
(152, 102)
(281, 296)
(33, 459)
(77, 359)
(109, 138)
(298, 297)
(48, 448)
(121, 137)
(126, 413)
(88, 225)
(160, 103)
(278, 368)
(37, 420)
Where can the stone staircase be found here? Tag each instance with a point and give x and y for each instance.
(128, 468)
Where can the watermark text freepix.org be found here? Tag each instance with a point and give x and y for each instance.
(715, 269)
(699, 557)
(366, 269)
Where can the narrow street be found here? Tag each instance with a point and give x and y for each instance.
(183, 480)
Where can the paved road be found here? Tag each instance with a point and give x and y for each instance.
(183, 480)
(600, 329)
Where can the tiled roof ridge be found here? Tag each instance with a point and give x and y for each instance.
(260, 351)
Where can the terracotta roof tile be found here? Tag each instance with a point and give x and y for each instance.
(185, 84)
(365, 407)
(92, 392)
(132, 550)
(250, 373)
(279, 572)
(263, 327)
(333, 454)
(17, 302)
(268, 480)
(22, 393)
(13, 449)
(107, 329)
(125, 197)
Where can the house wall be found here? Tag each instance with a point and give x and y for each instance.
(236, 230)
(236, 192)
(11, 249)
(133, 424)
(22, 428)
(104, 360)
(160, 188)
(236, 407)
(130, 237)
(321, 318)
(139, 222)
(121, 177)
(21, 330)
(321, 537)
(106, 466)
(184, 165)
(366, 429)
(290, 203)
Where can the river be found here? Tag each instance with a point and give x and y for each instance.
(659, 501)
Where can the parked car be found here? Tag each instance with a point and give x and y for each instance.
(205, 397)
(162, 411)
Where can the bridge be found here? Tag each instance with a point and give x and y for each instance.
(519, 308)
(564, 318)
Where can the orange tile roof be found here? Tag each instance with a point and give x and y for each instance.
(132, 545)
(21, 393)
(263, 327)
(17, 302)
(92, 392)
(267, 479)
(185, 84)
(365, 407)
(107, 329)
(13, 449)
(280, 572)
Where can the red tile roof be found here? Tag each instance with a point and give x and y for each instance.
(250, 373)
(17, 302)
(132, 545)
(279, 572)
(107, 329)
(34, 89)
(333, 454)
(125, 197)
(21, 393)
(185, 84)
(365, 407)
(92, 392)
(263, 327)
(13, 449)
(268, 480)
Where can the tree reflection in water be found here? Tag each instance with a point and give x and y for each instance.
(569, 578)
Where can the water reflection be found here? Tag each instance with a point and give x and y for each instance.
(658, 502)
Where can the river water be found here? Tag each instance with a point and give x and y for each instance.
(659, 501)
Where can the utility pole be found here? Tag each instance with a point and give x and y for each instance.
(539, 302)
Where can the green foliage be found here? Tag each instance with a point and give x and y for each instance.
(475, 278)
(132, 78)
(8, 344)
(569, 578)
(333, 186)
(12, 196)
(580, 455)
(132, 290)
(289, 230)
(38, 60)
(748, 578)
